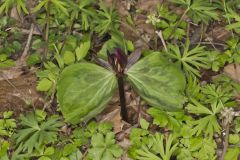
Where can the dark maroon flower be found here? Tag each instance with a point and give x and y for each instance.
(118, 60)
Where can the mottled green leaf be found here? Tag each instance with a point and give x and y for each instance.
(83, 91)
(158, 82)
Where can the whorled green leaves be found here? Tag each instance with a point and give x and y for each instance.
(158, 82)
(83, 91)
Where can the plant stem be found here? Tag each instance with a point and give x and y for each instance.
(178, 23)
(45, 52)
(122, 98)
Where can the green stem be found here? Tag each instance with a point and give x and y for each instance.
(225, 10)
(47, 33)
(178, 23)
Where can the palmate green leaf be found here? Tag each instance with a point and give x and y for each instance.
(161, 146)
(191, 60)
(104, 147)
(159, 82)
(165, 119)
(207, 124)
(59, 5)
(34, 134)
(6, 5)
(233, 16)
(198, 10)
(83, 91)
(107, 20)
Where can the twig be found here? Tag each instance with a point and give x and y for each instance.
(51, 98)
(178, 23)
(135, 32)
(225, 143)
(45, 52)
(210, 43)
(160, 35)
(26, 49)
(65, 36)
(228, 115)
(22, 94)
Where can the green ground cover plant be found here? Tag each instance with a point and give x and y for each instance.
(160, 66)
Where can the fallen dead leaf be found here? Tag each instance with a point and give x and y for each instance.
(15, 15)
(219, 34)
(149, 5)
(233, 71)
(115, 118)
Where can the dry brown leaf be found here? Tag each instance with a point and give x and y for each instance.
(219, 34)
(115, 118)
(233, 71)
(18, 92)
(15, 15)
(148, 5)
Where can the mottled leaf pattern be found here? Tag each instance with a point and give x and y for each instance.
(83, 91)
(158, 82)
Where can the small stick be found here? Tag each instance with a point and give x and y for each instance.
(26, 49)
(136, 33)
(159, 33)
(51, 98)
(225, 143)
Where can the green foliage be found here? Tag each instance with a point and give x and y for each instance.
(234, 16)
(232, 154)
(83, 91)
(117, 40)
(197, 148)
(165, 119)
(147, 146)
(84, 88)
(198, 10)
(191, 60)
(65, 33)
(7, 124)
(232, 52)
(161, 146)
(214, 94)
(33, 59)
(84, 10)
(6, 5)
(36, 133)
(4, 146)
(104, 147)
(207, 124)
(83, 49)
(237, 125)
(217, 60)
(154, 71)
(234, 139)
(48, 77)
(106, 21)
(60, 6)
(166, 21)
(10, 42)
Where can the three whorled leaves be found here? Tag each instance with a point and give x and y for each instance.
(84, 89)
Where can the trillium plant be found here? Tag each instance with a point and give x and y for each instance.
(84, 89)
